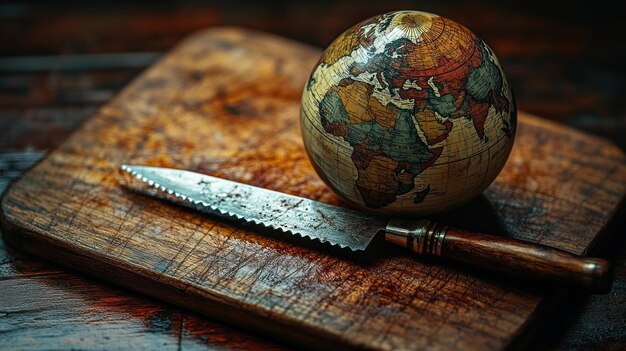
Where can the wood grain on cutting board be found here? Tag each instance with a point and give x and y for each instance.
(226, 103)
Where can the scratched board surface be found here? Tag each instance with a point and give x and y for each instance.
(226, 102)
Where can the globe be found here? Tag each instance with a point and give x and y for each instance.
(408, 113)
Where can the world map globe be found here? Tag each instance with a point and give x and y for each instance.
(408, 113)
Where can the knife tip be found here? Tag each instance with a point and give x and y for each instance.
(132, 177)
(128, 168)
(134, 170)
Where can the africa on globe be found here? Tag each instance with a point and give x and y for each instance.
(408, 113)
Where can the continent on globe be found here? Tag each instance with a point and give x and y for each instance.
(408, 113)
(388, 153)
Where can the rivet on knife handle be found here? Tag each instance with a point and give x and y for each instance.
(500, 254)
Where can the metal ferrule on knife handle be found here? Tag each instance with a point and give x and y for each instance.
(423, 236)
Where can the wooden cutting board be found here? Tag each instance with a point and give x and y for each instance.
(226, 102)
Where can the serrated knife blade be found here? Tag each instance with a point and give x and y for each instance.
(352, 229)
(274, 210)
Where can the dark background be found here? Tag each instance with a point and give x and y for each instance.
(60, 61)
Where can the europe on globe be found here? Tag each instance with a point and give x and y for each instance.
(408, 113)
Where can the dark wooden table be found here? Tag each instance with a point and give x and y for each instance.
(58, 63)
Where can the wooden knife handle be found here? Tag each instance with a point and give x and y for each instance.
(506, 255)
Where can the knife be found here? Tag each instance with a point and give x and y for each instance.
(355, 230)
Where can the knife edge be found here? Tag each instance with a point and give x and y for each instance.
(143, 179)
